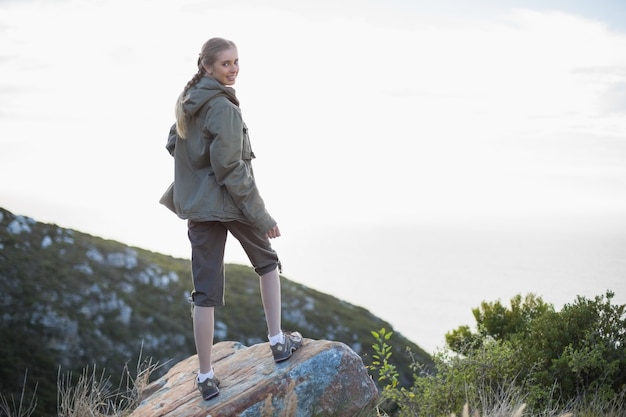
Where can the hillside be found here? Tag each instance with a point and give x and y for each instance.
(69, 300)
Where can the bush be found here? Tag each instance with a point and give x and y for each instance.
(527, 353)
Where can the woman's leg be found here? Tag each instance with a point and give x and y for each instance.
(208, 240)
(267, 266)
(203, 325)
(270, 296)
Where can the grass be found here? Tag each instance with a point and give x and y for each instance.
(91, 395)
(23, 408)
(513, 406)
(519, 412)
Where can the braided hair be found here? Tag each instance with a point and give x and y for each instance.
(208, 55)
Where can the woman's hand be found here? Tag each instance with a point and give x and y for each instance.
(273, 232)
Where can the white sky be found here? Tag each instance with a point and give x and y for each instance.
(360, 112)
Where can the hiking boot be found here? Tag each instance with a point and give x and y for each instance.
(209, 387)
(283, 351)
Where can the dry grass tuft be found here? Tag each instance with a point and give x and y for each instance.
(21, 409)
(517, 413)
(93, 395)
(89, 397)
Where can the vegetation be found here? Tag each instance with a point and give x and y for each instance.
(71, 301)
(528, 354)
(94, 395)
(91, 394)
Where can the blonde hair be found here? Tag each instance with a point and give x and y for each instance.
(208, 55)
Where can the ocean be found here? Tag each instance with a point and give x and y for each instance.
(426, 279)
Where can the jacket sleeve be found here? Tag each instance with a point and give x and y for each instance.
(171, 140)
(225, 126)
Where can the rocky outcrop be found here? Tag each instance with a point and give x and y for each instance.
(322, 378)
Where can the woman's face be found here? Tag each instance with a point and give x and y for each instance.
(226, 67)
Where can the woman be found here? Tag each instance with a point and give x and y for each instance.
(214, 189)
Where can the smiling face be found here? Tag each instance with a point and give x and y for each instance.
(226, 67)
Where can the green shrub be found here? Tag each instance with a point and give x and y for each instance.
(527, 353)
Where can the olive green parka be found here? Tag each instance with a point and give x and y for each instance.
(213, 177)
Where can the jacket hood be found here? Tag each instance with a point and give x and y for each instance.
(205, 90)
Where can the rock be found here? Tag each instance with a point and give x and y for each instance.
(322, 378)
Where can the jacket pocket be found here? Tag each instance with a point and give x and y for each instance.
(229, 205)
(246, 149)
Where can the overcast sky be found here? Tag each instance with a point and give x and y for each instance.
(360, 112)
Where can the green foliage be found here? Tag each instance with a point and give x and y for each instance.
(393, 396)
(568, 353)
(580, 350)
(495, 321)
(528, 353)
(387, 373)
(487, 380)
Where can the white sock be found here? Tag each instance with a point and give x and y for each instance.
(279, 338)
(203, 377)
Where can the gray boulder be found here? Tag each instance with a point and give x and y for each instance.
(322, 378)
